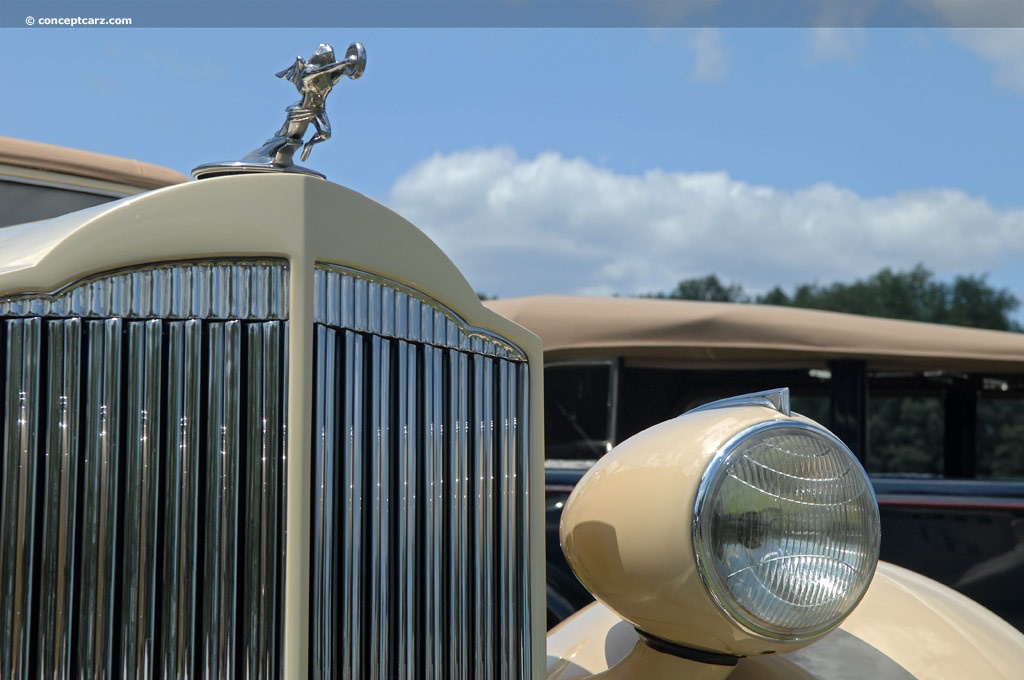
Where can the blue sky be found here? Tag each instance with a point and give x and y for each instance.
(595, 161)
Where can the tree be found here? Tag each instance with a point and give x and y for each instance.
(707, 288)
(914, 295)
(974, 303)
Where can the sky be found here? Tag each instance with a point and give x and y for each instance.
(594, 161)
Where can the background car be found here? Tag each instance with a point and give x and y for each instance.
(38, 181)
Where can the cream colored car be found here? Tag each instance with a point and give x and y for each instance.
(260, 426)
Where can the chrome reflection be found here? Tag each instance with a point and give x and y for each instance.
(420, 489)
(142, 486)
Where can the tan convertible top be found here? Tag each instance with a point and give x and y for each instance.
(724, 333)
(24, 154)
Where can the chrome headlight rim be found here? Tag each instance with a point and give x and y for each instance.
(713, 583)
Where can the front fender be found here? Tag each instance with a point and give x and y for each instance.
(907, 626)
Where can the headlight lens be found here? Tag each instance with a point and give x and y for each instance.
(786, 530)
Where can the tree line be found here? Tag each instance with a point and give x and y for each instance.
(916, 295)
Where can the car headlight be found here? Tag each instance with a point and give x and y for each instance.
(784, 528)
(738, 528)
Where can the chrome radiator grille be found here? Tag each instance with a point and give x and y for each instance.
(142, 418)
(420, 537)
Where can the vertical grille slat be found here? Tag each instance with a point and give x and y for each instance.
(460, 552)
(353, 573)
(519, 433)
(484, 518)
(182, 467)
(260, 525)
(137, 405)
(411, 593)
(221, 503)
(429, 537)
(511, 475)
(381, 548)
(21, 433)
(59, 513)
(99, 528)
(435, 536)
(325, 486)
(144, 395)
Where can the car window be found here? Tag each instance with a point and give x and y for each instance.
(913, 427)
(577, 423)
(21, 202)
(905, 434)
(1000, 437)
(652, 395)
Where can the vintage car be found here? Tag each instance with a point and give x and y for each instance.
(933, 412)
(258, 425)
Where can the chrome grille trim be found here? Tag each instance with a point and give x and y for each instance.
(142, 482)
(356, 301)
(249, 290)
(420, 548)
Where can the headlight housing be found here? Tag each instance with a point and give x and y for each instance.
(738, 528)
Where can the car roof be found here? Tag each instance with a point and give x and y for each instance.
(723, 334)
(21, 153)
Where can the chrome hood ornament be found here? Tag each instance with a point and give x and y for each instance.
(314, 79)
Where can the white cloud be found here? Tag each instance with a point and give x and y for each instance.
(1003, 48)
(840, 35)
(973, 14)
(558, 225)
(976, 26)
(710, 58)
(837, 44)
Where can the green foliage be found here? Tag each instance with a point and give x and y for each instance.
(905, 435)
(915, 295)
(708, 288)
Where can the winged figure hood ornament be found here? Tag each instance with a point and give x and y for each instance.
(314, 78)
